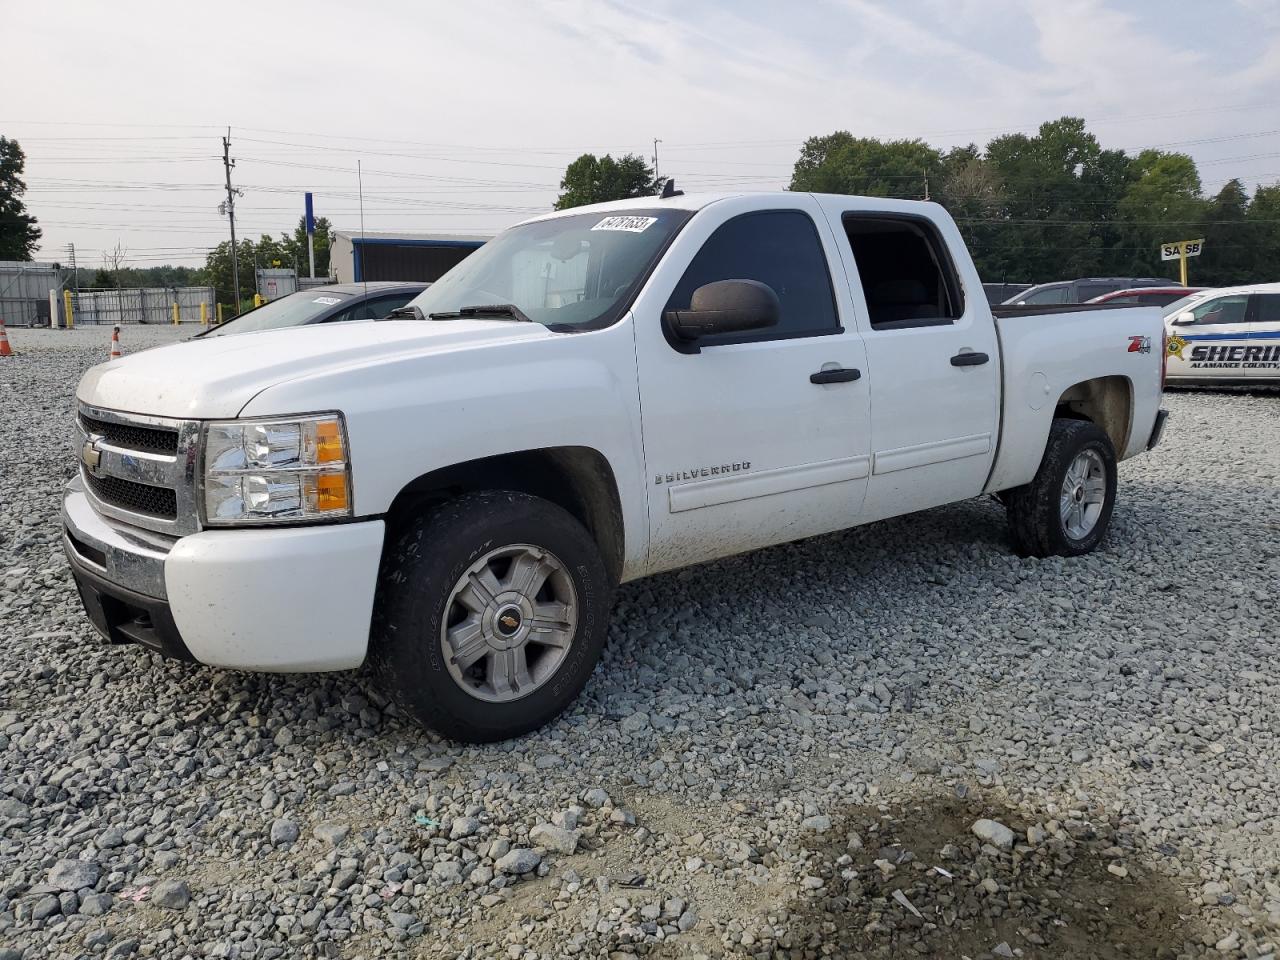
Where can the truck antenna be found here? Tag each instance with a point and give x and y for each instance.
(360, 186)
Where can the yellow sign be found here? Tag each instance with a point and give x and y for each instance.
(1179, 250)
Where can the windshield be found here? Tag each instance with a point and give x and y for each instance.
(291, 311)
(570, 273)
(1175, 308)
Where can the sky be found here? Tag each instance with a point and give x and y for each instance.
(464, 115)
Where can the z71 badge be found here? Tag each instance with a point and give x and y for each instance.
(1139, 344)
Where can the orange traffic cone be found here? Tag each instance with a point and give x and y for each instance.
(5, 349)
(115, 344)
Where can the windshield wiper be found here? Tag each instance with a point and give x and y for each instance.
(507, 310)
(407, 312)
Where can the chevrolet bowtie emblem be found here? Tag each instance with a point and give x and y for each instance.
(90, 455)
(508, 621)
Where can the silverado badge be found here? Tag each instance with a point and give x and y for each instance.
(90, 455)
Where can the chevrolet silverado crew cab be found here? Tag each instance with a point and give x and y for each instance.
(596, 395)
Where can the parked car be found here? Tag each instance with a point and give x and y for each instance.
(596, 395)
(1079, 291)
(1230, 335)
(1147, 296)
(998, 293)
(336, 303)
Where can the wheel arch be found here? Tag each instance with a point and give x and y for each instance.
(578, 479)
(1104, 401)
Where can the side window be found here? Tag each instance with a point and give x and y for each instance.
(1221, 310)
(1052, 295)
(383, 305)
(907, 278)
(780, 248)
(1087, 291)
(1268, 307)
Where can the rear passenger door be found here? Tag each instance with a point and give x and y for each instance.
(933, 358)
(1214, 341)
(1262, 355)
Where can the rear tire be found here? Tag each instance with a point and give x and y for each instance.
(1066, 509)
(491, 615)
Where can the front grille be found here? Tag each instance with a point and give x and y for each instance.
(136, 497)
(132, 437)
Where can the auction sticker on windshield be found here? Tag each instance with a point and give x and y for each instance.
(628, 224)
(330, 301)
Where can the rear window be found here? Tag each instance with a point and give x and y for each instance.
(291, 311)
(907, 278)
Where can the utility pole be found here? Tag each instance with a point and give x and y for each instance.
(926, 186)
(75, 270)
(227, 164)
(656, 141)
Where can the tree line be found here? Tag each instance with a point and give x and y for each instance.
(1051, 205)
(1048, 206)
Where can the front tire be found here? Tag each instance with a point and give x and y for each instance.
(1066, 509)
(491, 615)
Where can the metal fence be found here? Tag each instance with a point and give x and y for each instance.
(144, 305)
(24, 291)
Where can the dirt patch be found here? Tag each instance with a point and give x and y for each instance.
(1074, 891)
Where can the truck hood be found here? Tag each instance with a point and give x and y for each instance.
(214, 377)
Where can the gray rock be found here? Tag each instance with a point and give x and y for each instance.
(96, 904)
(463, 827)
(817, 824)
(555, 839)
(283, 831)
(634, 723)
(994, 833)
(447, 872)
(519, 860)
(595, 798)
(171, 894)
(121, 949)
(332, 834)
(110, 838)
(45, 907)
(74, 874)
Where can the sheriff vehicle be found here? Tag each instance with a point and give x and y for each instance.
(1230, 335)
(596, 395)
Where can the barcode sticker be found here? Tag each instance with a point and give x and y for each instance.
(626, 224)
(329, 300)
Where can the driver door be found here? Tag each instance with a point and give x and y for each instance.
(744, 446)
(1216, 339)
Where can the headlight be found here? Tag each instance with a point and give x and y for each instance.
(276, 471)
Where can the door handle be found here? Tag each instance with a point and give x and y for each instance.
(836, 375)
(969, 359)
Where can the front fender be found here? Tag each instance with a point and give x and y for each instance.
(408, 416)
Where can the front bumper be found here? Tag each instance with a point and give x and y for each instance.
(288, 599)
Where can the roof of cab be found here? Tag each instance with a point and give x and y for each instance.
(696, 201)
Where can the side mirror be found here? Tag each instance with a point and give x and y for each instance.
(1184, 318)
(726, 306)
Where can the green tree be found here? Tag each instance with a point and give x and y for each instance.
(295, 247)
(1263, 233)
(843, 163)
(591, 179)
(217, 270)
(18, 231)
(1161, 203)
(1228, 252)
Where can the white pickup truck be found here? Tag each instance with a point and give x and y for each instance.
(594, 396)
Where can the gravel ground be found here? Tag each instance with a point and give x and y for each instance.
(896, 741)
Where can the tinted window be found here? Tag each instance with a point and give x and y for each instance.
(1049, 295)
(1268, 307)
(906, 277)
(1087, 291)
(373, 309)
(1222, 310)
(294, 310)
(779, 248)
(1131, 298)
(1159, 299)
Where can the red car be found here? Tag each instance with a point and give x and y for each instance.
(1146, 296)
